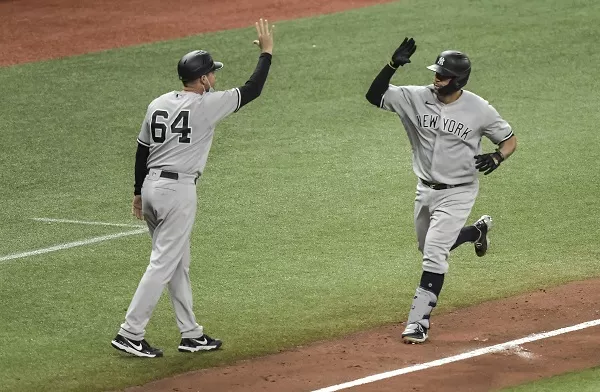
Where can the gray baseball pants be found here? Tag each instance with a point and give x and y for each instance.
(439, 217)
(169, 208)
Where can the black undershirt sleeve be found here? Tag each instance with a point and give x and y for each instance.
(253, 87)
(380, 85)
(141, 169)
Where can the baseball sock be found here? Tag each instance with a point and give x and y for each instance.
(467, 234)
(432, 282)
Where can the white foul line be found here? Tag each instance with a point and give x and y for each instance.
(51, 220)
(460, 357)
(72, 244)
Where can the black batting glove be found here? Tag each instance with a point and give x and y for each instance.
(488, 162)
(402, 55)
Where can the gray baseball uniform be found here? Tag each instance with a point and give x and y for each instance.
(445, 125)
(179, 128)
(444, 138)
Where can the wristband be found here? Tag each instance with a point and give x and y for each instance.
(500, 153)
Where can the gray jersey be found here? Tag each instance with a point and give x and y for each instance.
(445, 138)
(179, 128)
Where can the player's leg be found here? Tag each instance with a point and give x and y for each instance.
(423, 300)
(422, 214)
(477, 234)
(170, 234)
(467, 234)
(449, 212)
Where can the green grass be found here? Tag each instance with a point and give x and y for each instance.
(585, 381)
(304, 229)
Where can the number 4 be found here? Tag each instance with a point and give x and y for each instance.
(181, 125)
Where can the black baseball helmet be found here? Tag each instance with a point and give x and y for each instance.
(454, 64)
(195, 64)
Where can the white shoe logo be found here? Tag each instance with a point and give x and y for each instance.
(138, 347)
(203, 341)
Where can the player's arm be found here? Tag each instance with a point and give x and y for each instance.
(253, 87)
(380, 86)
(381, 83)
(507, 147)
(500, 133)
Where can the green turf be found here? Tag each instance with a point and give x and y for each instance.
(304, 229)
(585, 381)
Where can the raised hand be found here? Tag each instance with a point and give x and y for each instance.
(402, 55)
(265, 36)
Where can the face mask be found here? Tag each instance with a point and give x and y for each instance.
(210, 88)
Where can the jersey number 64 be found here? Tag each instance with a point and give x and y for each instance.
(180, 125)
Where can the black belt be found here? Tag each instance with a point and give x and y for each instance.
(438, 187)
(173, 176)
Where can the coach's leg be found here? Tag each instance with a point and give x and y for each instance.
(180, 288)
(180, 291)
(169, 237)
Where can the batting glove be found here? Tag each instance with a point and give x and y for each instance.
(402, 55)
(488, 162)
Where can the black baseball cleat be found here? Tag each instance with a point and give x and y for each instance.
(139, 348)
(484, 225)
(203, 343)
(414, 333)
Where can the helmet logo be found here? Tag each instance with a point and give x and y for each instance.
(441, 61)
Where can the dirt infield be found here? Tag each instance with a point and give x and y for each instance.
(330, 363)
(35, 30)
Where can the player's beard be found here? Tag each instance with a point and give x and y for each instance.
(442, 91)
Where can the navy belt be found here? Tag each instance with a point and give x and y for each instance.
(438, 187)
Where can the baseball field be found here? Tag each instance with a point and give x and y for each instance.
(304, 257)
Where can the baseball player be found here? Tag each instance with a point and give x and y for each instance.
(173, 146)
(445, 125)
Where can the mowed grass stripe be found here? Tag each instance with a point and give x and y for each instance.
(585, 381)
(304, 229)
